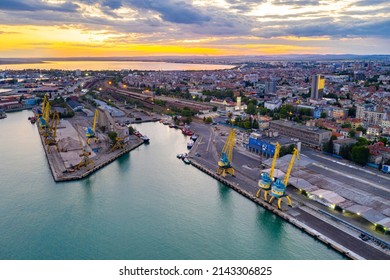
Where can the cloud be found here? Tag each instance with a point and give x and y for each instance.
(36, 5)
(371, 2)
(172, 11)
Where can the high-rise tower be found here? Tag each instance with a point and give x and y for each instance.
(317, 86)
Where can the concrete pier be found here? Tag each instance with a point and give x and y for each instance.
(61, 174)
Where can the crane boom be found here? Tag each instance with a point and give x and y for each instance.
(290, 166)
(95, 120)
(276, 155)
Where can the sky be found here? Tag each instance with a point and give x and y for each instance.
(104, 28)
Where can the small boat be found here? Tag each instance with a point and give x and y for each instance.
(179, 156)
(186, 160)
(2, 114)
(33, 120)
(194, 137)
(190, 144)
(145, 138)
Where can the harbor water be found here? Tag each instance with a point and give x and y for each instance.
(146, 205)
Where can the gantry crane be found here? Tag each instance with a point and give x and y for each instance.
(91, 132)
(225, 162)
(52, 133)
(267, 179)
(278, 189)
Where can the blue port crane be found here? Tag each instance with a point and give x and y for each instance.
(266, 179)
(278, 188)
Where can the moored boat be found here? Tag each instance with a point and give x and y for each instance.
(190, 144)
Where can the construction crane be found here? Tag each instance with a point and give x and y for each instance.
(52, 133)
(278, 189)
(267, 179)
(224, 164)
(91, 132)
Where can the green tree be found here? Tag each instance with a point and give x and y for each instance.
(323, 115)
(360, 154)
(362, 141)
(215, 108)
(346, 125)
(112, 135)
(345, 151)
(362, 129)
(255, 124)
(251, 109)
(208, 120)
(352, 133)
(131, 130)
(383, 140)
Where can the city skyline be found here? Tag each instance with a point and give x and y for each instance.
(102, 28)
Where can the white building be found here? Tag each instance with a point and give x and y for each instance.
(273, 104)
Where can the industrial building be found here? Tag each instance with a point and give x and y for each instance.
(311, 136)
(264, 143)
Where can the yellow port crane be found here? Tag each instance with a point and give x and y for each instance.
(278, 189)
(225, 162)
(266, 179)
(119, 144)
(91, 132)
(44, 121)
(85, 161)
(52, 133)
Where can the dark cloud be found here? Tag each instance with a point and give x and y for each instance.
(172, 11)
(36, 5)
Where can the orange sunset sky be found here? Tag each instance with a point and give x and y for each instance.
(62, 28)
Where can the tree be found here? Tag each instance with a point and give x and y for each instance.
(215, 108)
(383, 140)
(251, 109)
(323, 115)
(362, 129)
(255, 124)
(208, 120)
(352, 133)
(362, 141)
(112, 135)
(360, 154)
(131, 130)
(346, 125)
(345, 151)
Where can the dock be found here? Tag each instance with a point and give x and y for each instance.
(301, 215)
